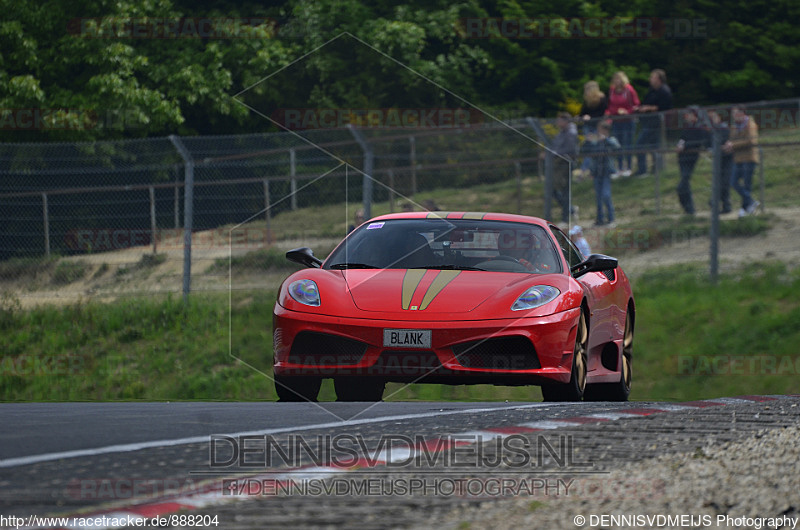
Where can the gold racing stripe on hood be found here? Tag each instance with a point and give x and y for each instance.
(474, 215)
(439, 283)
(410, 282)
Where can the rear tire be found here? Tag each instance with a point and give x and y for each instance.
(297, 388)
(620, 390)
(574, 390)
(358, 389)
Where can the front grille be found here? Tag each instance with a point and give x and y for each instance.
(501, 353)
(407, 363)
(317, 349)
(611, 274)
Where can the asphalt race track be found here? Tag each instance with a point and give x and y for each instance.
(94, 458)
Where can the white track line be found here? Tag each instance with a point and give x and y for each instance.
(550, 424)
(122, 448)
(614, 415)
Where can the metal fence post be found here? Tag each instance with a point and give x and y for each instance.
(658, 159)
(267, 214)
(548, 185)
(391, 191)
(548, 166)
(369, 158)
(177, 200)
(153, 218)
(761, 178)
(293, 174)
(716, 185)
(188, 212)
(657, 181)
(413, 160)
(46, 216)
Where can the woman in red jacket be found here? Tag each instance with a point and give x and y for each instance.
(622, 98)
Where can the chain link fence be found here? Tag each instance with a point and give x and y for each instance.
(98, 219)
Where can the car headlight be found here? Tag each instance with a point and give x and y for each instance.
(305, 292)
(536, 296)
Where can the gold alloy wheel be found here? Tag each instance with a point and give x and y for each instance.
(581, 338)
(627, 353)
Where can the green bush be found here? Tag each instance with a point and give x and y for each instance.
(16, 268)
(69, 271)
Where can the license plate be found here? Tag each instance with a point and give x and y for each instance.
(407, 338)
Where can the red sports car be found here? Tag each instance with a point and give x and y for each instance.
(455, 298)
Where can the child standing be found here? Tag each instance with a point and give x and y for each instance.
(600, 145)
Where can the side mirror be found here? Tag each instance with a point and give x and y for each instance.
(594, 263)
(304, 256)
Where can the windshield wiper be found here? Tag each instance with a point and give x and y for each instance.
(452, 267)
(340, 266)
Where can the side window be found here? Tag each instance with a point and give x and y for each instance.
(572, 254)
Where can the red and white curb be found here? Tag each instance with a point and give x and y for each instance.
(220, 491)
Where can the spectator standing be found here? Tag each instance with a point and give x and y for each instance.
(600, 144)
(594, 105)
(358, 220)
(622, 100)
(721, 129)
(576, 235)
(658, 99)
(693, 138)
(743, 143)
(565, 143)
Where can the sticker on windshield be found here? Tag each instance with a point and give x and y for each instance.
(373, 226)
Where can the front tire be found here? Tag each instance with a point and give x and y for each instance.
(358, 389)
(574, 390)
(298, 388)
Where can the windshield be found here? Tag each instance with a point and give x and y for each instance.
(459, 244)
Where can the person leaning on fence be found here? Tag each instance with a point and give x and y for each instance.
(693, 139)
(743, 143)
(658, 99)
(565, 143)
(600, 145)
(594, 105)
(720, 128)
(622, 100)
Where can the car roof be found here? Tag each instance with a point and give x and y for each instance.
(486, 216)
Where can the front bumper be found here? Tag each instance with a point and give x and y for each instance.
(534, 350)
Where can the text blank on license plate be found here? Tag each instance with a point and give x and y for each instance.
(407, 338)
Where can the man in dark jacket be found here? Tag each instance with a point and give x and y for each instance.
(693, 139)
(720, 128)
(658, 99)
(565, 143)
